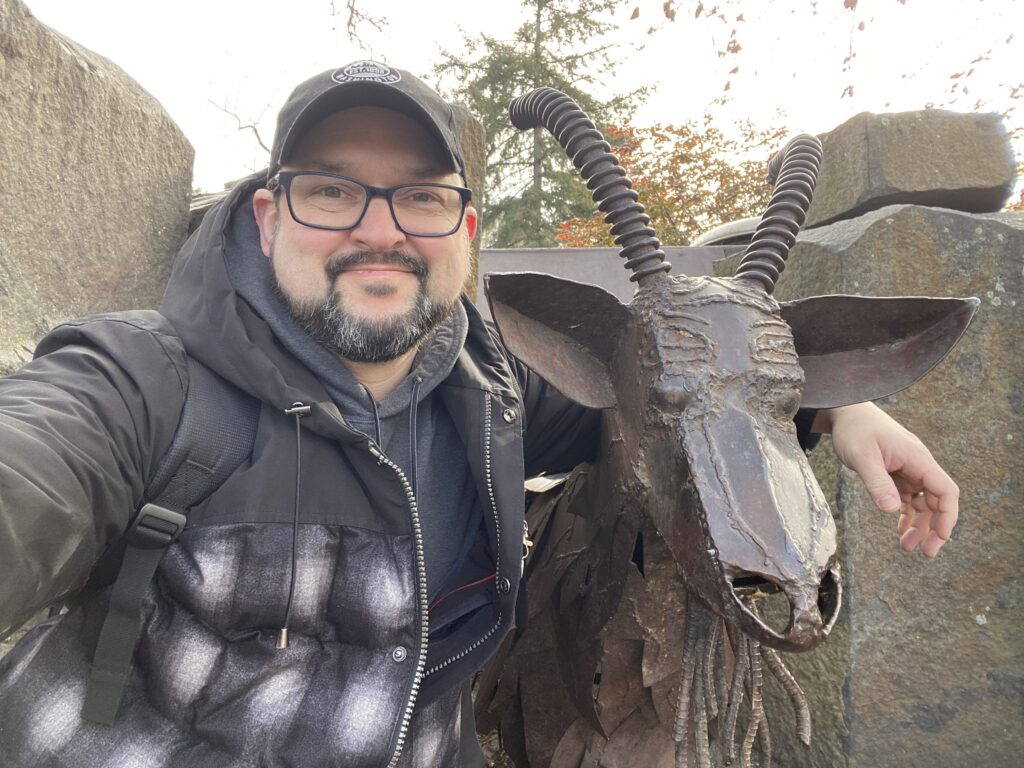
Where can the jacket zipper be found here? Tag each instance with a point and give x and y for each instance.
(421, 592)
(497, 537)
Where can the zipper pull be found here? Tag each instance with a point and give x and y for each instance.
(527, 541)
(377, 455)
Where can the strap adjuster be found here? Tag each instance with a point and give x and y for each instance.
(155, 527)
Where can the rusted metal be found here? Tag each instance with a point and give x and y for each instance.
(849, 345)
(736, 697)
(756, 720)
(793, 172)
(681, 730)
(702, 744)
(709, 668)
(699, 379)
(795, 693)
(612, 190)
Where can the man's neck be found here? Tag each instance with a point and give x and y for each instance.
(380, 379)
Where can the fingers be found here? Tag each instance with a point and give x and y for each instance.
(918, 526)
(930, 500)
(936, 510)
(922, 522)
(899, 473)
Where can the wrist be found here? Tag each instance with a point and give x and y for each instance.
(826, 419)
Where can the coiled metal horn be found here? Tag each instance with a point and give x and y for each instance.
(610, 186)
(794, 172)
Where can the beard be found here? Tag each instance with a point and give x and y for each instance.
(359, 339)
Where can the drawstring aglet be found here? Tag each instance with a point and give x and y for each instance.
(282, 638)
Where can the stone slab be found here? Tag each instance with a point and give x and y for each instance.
(931, 157)
(928, 669)
(95, 181)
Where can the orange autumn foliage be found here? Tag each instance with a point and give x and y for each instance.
(690, 178)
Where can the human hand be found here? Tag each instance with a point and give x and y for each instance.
(898, 471)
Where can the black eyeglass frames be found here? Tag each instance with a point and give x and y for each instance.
(328, 201)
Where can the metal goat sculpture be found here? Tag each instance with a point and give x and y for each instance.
(700, 481)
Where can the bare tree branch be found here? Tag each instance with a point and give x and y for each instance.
(356, 17)
(243, 126)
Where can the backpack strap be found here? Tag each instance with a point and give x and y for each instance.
(214, 436)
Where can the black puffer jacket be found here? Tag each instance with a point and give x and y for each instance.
(82, 429)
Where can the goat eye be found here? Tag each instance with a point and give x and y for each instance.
(671, 394)
(787, 403)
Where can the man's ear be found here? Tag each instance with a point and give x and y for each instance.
(264, 209)
(471, 220)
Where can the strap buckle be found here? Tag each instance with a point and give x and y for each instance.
(155, 527)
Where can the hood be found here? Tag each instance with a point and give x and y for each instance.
(218, 300)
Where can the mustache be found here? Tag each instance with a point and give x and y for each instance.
(339, 263)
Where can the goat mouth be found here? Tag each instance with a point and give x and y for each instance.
(787, 617)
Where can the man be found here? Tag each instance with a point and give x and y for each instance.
(329, 601)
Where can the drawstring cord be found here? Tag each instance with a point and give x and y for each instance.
(414, 402)
(412, 434)
(298, 410)
(376, 416)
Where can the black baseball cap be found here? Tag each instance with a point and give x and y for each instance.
(364, 84)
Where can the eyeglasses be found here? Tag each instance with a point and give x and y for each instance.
(327, 201)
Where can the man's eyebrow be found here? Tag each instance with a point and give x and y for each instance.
(327, 167)
(421, 173)
(429, 172)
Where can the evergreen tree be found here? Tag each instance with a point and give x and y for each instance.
(531, 185)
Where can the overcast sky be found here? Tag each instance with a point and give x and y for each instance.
(198, 56)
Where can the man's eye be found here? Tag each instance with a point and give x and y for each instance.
(420, 196)
(332, 192)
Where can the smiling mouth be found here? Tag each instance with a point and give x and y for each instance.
(373, 270)
(369, 265)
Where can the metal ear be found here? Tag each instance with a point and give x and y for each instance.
(857, 348)
(564, 330)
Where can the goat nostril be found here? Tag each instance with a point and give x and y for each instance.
(764, 599)
(791, 616)
(830, 596)
(752, 586)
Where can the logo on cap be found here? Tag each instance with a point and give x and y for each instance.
(365, 70)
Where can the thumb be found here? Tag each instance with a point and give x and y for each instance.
(883, 491)
(878, 482)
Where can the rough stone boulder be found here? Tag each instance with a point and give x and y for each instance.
(927, 667)
(932, 157)
(96, 181)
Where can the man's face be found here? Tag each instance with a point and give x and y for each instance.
(370, 293)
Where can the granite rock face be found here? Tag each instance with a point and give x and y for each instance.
(96, 181)
(928, 667)
(932, 157)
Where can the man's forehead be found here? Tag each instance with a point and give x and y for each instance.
(370, 129)
(341, 168)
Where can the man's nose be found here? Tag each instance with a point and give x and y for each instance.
(377, 230)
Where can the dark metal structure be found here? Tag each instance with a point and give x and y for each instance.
(651, 624)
